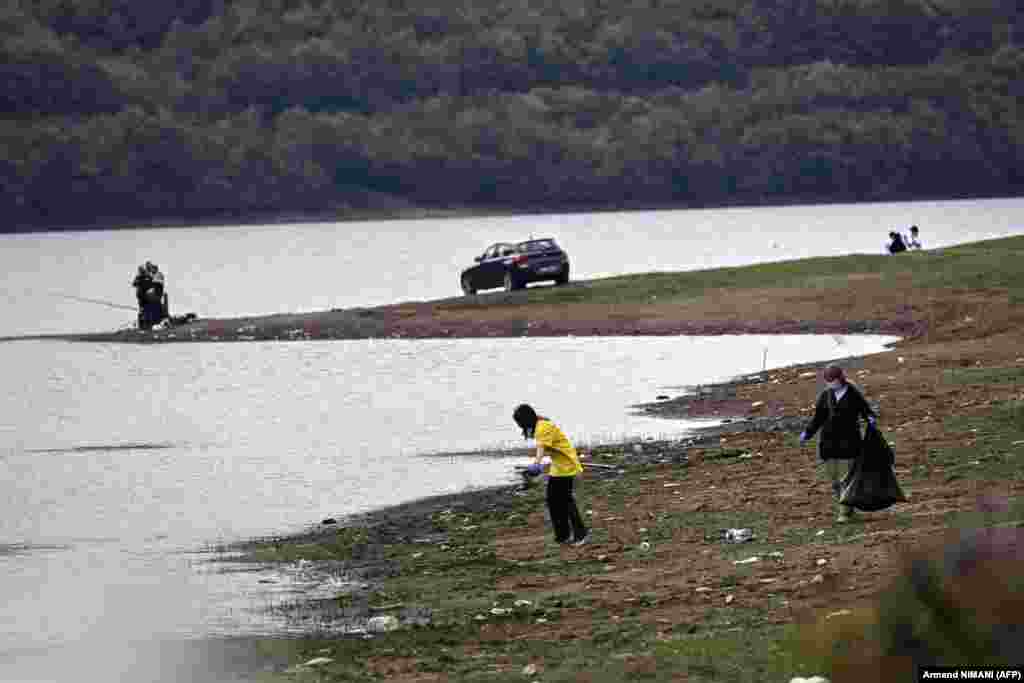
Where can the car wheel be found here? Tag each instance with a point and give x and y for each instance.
(512, 282)
(467, 286)
(563, 277)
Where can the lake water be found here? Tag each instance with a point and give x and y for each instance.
(120, 464)
(237, 271)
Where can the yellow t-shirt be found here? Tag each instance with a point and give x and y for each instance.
(564, 461)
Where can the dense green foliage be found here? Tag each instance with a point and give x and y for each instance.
(119, 110)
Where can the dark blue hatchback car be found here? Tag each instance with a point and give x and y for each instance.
(514, 264)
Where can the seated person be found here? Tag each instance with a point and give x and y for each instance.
(915, 238)
(895, 244)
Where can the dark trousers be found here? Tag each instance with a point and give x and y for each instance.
(565, 517)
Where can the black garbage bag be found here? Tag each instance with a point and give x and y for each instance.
(871, 484)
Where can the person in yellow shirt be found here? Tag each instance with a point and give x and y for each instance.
(565, 465)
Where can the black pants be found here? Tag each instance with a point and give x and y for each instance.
(565, 517)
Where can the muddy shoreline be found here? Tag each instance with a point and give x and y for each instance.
(414, 521)
(395, 322)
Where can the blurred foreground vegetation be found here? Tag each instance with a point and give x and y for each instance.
(114, 111)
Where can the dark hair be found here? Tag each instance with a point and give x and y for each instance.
(913, 228)
(834, 373)
(526, 418)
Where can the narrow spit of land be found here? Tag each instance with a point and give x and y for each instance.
(479, 591)
(908, 295)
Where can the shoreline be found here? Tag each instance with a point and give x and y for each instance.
(476, 571)
(413, 521)
(920, 295)
(491, 315)
(402, 213)
(470, 584)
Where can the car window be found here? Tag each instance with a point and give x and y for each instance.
(507, 249)
(490, 251)
(538, 245)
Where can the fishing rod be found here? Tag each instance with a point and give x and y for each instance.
(85, 299)
(101, 302)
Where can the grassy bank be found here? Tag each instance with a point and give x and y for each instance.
(480, 591)
(970, 290)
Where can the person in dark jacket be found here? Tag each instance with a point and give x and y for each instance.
(837, 414)
(142, 283)
(896, 243)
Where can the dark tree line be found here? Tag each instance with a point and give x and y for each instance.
(114, 111)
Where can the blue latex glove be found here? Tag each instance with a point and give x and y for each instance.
(803, 437)
(871, 420)
(535, 470)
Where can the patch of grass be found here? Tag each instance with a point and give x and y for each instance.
(999, 445)
(337, 546)
(986, 376)
(980, 265)
(768, 653)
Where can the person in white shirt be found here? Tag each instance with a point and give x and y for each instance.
(915, 238)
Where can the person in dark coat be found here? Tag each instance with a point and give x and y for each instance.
(896, 243)
(142, 283)
(837, 414)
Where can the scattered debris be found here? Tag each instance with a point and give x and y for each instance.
(530, 670)
(818, 578)
(729, 599)
(738, 535)
(749, 560)
(317, 661)
(840, 613)
(822, 562)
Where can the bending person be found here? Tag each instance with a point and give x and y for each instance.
(565, 465)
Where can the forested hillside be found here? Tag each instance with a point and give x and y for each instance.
(121, 111)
